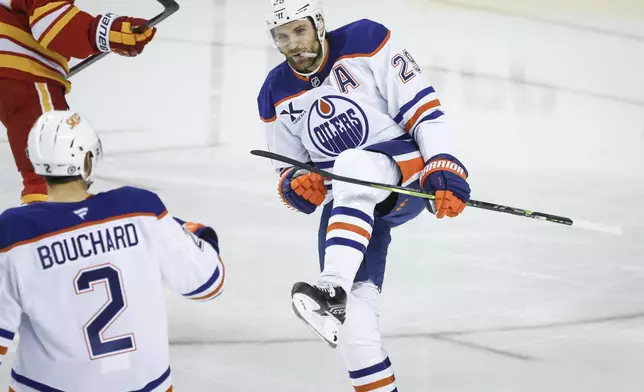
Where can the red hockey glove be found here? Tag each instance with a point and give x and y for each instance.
(117, 34)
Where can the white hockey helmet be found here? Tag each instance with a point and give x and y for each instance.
(286, 11)
(58, 143)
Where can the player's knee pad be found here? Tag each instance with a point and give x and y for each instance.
(366, 166)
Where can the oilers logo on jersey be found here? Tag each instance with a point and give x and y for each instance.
(336, 124)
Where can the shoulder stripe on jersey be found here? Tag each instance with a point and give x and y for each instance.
(80, 226)
(375, 52)
(281, 101)
(7, 334)
(406, 107)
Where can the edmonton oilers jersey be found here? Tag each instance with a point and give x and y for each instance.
(368, 91)
(82, 286)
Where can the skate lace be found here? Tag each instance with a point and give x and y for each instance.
(327, 289)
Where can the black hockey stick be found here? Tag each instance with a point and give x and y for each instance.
(170, 7)
(419, 193)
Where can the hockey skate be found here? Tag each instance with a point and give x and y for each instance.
(322, 308)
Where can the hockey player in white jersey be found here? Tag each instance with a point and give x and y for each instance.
(81, 275)
(354, 101)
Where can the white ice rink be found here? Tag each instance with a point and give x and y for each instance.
(547, 105)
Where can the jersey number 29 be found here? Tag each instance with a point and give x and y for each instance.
(97, 344)
(408, 66)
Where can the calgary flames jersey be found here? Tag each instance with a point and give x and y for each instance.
(38, 37)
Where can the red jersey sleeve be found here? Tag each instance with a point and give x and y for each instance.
(59, 26)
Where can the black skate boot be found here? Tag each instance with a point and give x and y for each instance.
(322, 308)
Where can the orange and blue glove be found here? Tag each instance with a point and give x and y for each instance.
(119, 34)
(446, 178)
(302, 190)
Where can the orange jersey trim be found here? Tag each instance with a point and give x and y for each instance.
(281, 101)
(81, 226)
(270, 120)
(410, 168)
(301, 77)
(428, 106)
(375, 52)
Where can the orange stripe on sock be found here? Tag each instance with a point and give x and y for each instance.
(349, 227)
(375, 385)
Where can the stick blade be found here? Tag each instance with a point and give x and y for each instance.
(599, 227)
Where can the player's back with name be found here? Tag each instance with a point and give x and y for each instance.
(53, 257)
(62, 249)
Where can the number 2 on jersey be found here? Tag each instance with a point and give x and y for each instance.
(408, 66)
(97, 344)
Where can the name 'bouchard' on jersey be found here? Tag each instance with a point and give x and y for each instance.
(103, 240)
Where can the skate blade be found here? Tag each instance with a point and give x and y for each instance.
(325, 327)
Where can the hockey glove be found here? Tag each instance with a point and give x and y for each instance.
(204, 232)
(446, 178)
(117, 34)
(302, 190)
